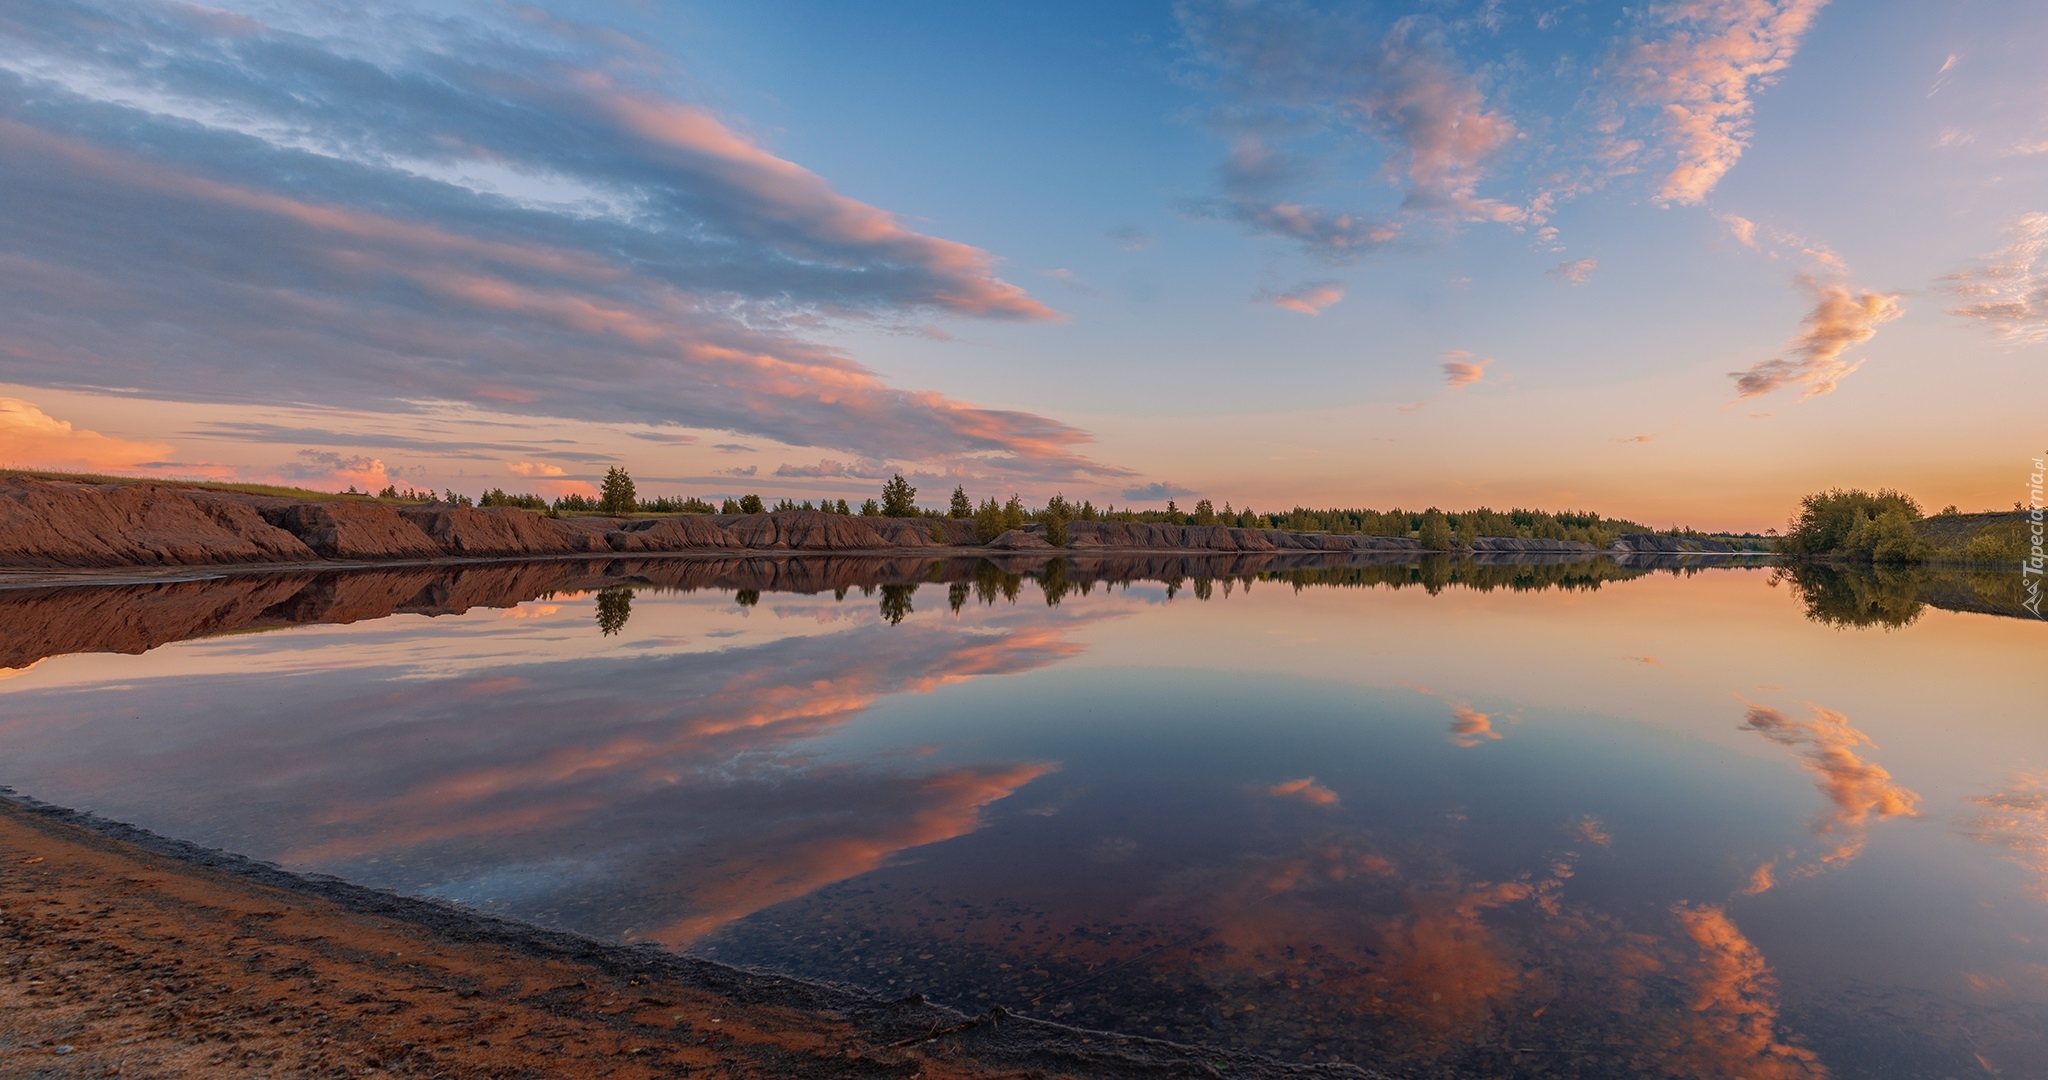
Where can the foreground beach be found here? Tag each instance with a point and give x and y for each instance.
(131, 955)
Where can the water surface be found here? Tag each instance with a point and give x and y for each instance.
(1555, 819)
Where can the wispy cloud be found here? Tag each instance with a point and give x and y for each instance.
(1743, 229)
(1131, 238)
(1700, 65)
(2008, 290)
(31, 438)
(1573, 271)
(1289, 69)
(1309, 298)
(273, 213)
(864, 470)
(1840, 320)
(2016, 821)
(329, 469)
(1462, 369)
(1156, 490)
(1306, 789)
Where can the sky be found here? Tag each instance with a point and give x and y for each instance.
(1681, 262)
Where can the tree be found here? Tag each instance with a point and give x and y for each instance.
(896, 602)
(1058, 511)
(1013, 513)
(1205, 512)
(871, 508)
(842, 508)
(899, 499)
(962, 507)
(1435, 533)
(617, 497)
(751, 504)
(988, 520)
(614, 607)
(730, 507)
(1827, 522)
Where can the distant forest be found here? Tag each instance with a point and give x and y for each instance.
(1436, 529)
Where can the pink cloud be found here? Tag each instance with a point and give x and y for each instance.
(1308, 299)
(1702, 75)
(1573, 272)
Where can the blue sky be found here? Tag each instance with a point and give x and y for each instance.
(1682, 261)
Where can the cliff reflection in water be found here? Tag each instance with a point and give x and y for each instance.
(1532, 817)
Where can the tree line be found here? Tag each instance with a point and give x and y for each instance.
(1886, 528)
(1436, 529)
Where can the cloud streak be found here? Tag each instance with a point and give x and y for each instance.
(268, 214)
(1841, 319)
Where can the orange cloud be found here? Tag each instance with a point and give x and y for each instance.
(1732, 1020)
(1306, 789)
(1839, 321)
(1589, 830)
(533, 468)
(33, 439)
(1453, 971)
(2016, 820)
(1462, 369)
(1857, 791)
(1470, 727)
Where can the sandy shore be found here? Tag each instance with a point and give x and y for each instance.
(126, 954)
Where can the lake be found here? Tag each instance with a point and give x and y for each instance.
(1442, 818)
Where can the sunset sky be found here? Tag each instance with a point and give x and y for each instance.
(1680, 262)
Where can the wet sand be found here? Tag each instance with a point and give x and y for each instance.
(123, 953)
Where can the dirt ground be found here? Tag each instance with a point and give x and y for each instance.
(122, 954)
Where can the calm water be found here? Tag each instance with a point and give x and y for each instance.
(1546, 820)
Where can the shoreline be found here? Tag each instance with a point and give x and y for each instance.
(132, 950)
(32, 577)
